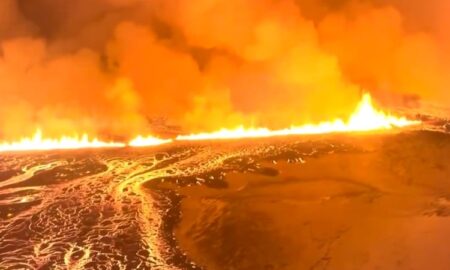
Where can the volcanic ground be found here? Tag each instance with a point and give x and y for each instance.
(316, 202)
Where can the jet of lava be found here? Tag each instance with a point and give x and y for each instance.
(38, 142)
(365, 118)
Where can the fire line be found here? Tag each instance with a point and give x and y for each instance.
(365, 118)
(38, 142)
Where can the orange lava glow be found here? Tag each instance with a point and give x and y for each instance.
(38, 142)
(365, 118)
(141, 141)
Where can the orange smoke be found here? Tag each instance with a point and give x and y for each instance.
(119, 68)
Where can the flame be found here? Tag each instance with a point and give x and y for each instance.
(141, 141)
(38, 142)
(365, 118)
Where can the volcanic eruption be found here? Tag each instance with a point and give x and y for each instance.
(223, 134)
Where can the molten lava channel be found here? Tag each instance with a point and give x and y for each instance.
(365, 118)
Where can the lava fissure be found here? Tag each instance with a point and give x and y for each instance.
(365, 118)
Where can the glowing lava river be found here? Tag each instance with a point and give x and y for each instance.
(106, 209)
(251, 203)
(81, 210)
(226, 205)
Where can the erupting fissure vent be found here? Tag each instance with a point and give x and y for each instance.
(365, 118)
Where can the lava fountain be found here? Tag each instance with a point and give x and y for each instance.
(365, 118)
(39, 142)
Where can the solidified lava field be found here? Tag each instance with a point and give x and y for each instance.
(320, 202)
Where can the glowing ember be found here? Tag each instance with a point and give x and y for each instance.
(38, 142)
(141, 141)
(365, 118)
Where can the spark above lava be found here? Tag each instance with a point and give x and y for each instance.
(365, 118)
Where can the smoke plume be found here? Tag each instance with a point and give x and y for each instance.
(110, 67)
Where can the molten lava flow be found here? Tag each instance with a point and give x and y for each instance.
(141, 141)
(365, 118)
(38, 142)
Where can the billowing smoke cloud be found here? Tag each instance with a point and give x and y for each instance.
(110, 67)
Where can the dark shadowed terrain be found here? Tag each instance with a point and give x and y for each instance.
(323, 202)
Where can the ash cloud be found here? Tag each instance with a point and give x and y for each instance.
(108, 66)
